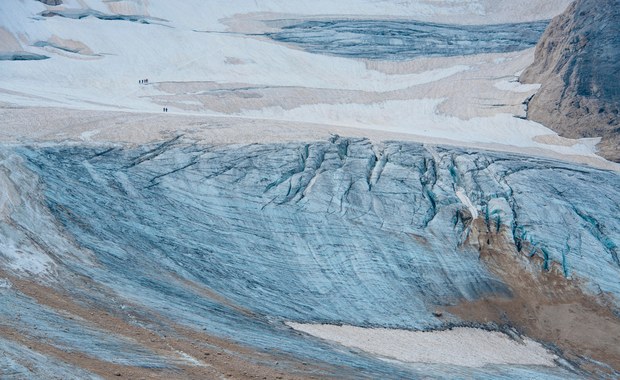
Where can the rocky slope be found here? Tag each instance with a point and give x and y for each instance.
(578, 64)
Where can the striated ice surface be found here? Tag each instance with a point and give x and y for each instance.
(401, 40)
(20, 362)
(339, 232)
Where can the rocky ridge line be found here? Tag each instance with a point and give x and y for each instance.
(578, 64)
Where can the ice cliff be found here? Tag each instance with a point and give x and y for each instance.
(342, 231)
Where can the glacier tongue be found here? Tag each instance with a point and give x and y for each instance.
(339, 231)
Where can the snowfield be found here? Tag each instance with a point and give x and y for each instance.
(98, 51)
(461, 346)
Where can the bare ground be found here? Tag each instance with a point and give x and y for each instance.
(545, 305)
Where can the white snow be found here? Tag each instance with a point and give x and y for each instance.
(420, 117)
(214, 42)
(190, 359)
(25, 260)
(461, 346)
(462, 196)
(514, 85)
(5, 283)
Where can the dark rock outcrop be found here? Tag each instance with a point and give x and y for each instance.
(578, 63)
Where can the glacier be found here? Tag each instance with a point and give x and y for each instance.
(406, 39)
(238, 240)
(340, 190)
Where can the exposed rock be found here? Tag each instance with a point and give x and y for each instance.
(578, 64)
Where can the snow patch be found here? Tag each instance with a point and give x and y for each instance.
(514, 85)
(5, 284)
(88, 135)
(190, 359)
(31, 262)
(468, 347)
(462, 196)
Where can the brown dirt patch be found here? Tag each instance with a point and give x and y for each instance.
(545, 305)
(219, 358)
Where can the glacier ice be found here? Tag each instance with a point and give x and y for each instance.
(343, 231)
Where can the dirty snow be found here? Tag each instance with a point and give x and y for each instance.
(467, 347)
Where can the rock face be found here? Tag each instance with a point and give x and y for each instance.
(578, 64)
